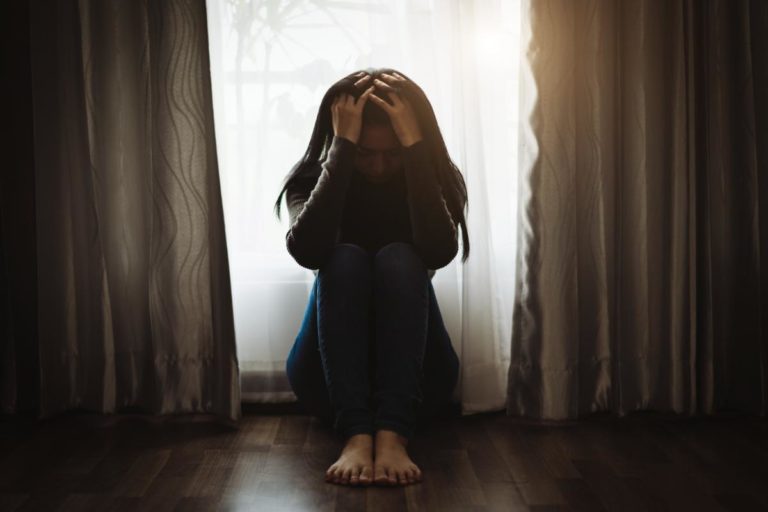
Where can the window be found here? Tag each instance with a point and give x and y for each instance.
(271, 64)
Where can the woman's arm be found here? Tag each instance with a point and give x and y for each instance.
(434, 231)
(315, 219)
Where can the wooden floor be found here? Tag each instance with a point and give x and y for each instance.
(483, 462)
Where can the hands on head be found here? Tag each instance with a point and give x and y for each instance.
(347, 113)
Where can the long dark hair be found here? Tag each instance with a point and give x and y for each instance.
(307, 171)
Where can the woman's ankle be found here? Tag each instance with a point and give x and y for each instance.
(386, 435)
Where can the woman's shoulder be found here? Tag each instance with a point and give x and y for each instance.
(305, 180)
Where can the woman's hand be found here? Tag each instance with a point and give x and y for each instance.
(347, 114)
(401, 114)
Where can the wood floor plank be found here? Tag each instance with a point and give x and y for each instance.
(260, 432)
(142, 473)
(735, 501)
(382, 499)
(124, 504)
(541, 493)
(321, 436)
(44, 501)
(723, 458)
(534, 479)
(578, 495)
(246, 472)
(416, 498)
(503, 496)
(350, 498)
(451, 480)
(20, 467)
(542, 444)
(107, 473)
(676, 487)
(212, 473)
(486, 461)
(173, 480)
(293, 430)
(291, 494)
(479, 462)
(608, 486)
(196, 503)
(76, 502)
(10, 502)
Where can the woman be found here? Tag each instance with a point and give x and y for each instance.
(374, 207)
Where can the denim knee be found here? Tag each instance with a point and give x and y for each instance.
(347, 257)
(398, 258)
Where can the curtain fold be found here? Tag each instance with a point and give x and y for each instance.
(642, 277)
(134, 301)
(19, 378)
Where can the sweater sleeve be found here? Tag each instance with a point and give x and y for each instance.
(434, 231)
(315, 216)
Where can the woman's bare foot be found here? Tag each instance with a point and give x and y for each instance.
(392, 465)
(355, 464)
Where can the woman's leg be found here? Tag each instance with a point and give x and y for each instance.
(416, 366)
(441, 364)
(343, 322)
(304, 366)
(401, 297)
(317, 369)
(306, 375)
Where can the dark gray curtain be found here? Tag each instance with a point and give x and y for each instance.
(133, 291)
(643, 268)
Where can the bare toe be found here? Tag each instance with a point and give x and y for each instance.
(379, 475)
(355, 456)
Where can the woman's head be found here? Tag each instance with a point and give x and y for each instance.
(379, 153)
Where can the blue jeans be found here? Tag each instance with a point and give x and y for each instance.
(373, 340)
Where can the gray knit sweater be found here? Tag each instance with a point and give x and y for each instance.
(342, 206)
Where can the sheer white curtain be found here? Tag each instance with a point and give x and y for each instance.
(271, 63)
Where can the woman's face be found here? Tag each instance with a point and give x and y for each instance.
(379, 153)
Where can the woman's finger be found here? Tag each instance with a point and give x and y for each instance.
(364, 97)
(362, 81)
(393, 80)
(380, 102)
(396, 101)
(385, 86)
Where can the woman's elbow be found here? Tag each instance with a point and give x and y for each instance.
(438, 257)
(309, 259)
